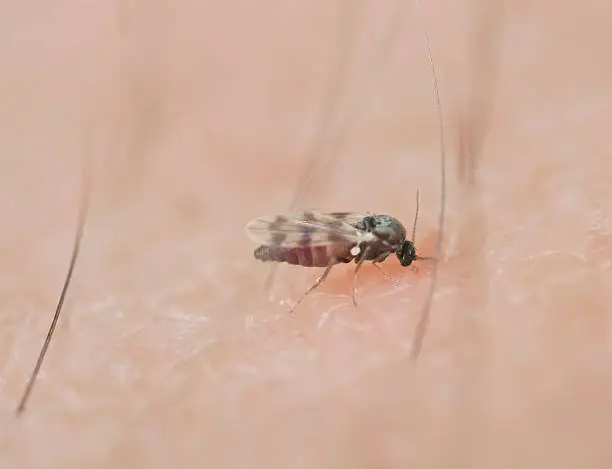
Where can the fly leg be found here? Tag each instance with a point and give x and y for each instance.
(387, 277)
(315, 285)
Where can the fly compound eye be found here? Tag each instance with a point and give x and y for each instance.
(407, 254)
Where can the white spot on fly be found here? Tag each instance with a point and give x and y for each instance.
(355, 251)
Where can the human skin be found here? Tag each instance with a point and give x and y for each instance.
(195, 118)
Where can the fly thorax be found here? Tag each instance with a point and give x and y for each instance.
(386, 229)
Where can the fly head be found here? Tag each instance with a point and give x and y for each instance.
(406, 253)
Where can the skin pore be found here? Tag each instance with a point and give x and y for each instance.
(197, 117)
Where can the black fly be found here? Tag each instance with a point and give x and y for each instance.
(318, 239)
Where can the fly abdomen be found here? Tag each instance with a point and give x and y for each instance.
(306, 256)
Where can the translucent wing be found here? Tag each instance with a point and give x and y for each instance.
(306, 228)
(352, 218)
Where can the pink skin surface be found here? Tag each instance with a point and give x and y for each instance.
(198, 116)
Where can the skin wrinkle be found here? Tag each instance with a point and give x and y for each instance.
(278, 391)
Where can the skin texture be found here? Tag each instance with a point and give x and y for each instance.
(198, 116)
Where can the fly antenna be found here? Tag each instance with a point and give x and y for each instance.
(423, 323)
(416, 217)
(84, 206)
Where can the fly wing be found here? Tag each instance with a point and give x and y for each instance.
(304, 229)
(352, 218)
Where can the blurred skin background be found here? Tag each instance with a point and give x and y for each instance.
(195, 117)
